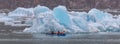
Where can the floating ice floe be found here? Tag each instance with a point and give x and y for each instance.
(5, 19)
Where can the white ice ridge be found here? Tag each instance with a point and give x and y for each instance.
(60, 19)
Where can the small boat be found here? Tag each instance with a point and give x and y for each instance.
(56, 33)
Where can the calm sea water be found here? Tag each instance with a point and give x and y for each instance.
(90, 38)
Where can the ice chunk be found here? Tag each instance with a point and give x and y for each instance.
(61, 15)
(5, 19)
(79, 14)
(84, 15)
(99, 15)
(22, 12)
(91, 18)
(45, 23)
(81, 23)
(96, 27)
(113, 28)
(111, 25)
(40, 9)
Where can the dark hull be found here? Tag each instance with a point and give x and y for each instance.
(55, 34)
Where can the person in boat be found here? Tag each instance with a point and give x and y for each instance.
(52, 32)
(58, 32)
(63, 32)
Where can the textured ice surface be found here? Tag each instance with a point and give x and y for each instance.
(5, 19)
(40, 9)
(22, 12)
(62, 16)
(98, 15)
(60, 19)
(80, 22)
(45, 23)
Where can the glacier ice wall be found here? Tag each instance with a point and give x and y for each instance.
(60, 19)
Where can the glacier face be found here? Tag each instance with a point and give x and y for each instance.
(60, 19)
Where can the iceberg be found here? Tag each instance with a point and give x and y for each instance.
(41, 14)
(45, 23)
(62, 16)
(59, 19)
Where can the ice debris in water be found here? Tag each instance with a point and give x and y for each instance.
(5, 19)
(59, 19)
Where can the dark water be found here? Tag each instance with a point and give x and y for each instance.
(92, 38)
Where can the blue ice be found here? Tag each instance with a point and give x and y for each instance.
(98, 15)
(40, 9)
(61, 19)
(61, 15)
